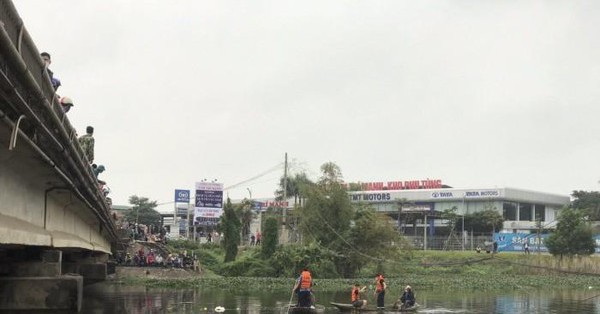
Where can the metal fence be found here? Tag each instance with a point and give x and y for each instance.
(456, 242)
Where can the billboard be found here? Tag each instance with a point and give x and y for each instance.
(209, 201)
(514, 242)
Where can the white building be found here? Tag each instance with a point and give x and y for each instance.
(520, 208)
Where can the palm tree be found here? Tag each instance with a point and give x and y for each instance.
(244, 211)
(295, 186)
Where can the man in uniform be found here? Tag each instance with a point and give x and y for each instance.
(87, 144)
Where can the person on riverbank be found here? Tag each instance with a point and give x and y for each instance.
(408, 298)
(380, 287)
(356, 297)
(303, 288)
(258, 237)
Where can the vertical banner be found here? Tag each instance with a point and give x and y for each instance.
(209, 201)
(181, 196)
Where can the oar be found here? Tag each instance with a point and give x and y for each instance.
(598, 295)
(290, 303)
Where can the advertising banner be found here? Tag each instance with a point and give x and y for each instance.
(209, 201)
(514, 242)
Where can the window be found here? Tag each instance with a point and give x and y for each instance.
(525, 212)
(540, 212)
(509, 211)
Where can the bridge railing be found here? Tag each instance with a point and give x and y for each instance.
(34, 98)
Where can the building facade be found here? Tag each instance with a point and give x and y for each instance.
(520, 208)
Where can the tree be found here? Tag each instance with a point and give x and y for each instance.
(296, 186)
(371, 237)
(331, 175)
(327, 214)
(485, 221)
(143, 211)
(573, 235)
(245, 212)
(270, 237)
(589, 202)
(451, 217)
(230, 225)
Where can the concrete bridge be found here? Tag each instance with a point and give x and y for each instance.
(56, 231)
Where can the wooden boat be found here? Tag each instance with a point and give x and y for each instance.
(302, 309)
(345, 307)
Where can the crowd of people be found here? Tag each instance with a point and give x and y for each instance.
(405, 301)
(155, 259)
(87, 140)
(141, 232)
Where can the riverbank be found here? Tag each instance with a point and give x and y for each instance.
(425, 270)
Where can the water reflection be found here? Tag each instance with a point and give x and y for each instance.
(114, 298)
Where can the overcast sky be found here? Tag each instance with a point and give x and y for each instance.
(479, 94)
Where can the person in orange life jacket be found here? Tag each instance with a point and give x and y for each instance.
(355, 296)
(380, 287)
(302, 288)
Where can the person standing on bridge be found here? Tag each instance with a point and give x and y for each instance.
(47, 61)
(66, 104)
(87, 144)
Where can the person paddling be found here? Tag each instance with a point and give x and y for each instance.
(408, 298)
(303, 288)
(357, 302)
(380, 287)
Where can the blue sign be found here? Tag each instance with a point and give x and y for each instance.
(515, 242)
(182, 196)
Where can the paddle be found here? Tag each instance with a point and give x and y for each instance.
(290, 302)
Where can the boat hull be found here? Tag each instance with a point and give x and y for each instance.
(345, 307)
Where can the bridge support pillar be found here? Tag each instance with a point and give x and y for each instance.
(92, 268)
(33, 280)
(50, 265)
(41, 293)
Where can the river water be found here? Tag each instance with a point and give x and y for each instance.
(110, 297)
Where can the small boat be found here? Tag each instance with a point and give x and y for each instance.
(345, 307)
(302, 309)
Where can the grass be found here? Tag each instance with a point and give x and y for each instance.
(433, 270)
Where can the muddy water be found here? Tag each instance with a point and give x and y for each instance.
(115, 298)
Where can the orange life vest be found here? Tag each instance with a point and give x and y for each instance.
(306, 280)
(379, 283)
(355, 294)
(379, 287)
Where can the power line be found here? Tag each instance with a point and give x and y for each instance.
(276, 167)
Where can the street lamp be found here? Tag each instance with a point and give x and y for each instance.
(249, 192)
(463, 232)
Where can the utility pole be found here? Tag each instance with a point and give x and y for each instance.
(187, 229)
(284, 235)
(425, 231)
(175, 225)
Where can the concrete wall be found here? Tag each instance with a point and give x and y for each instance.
(25, 217)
